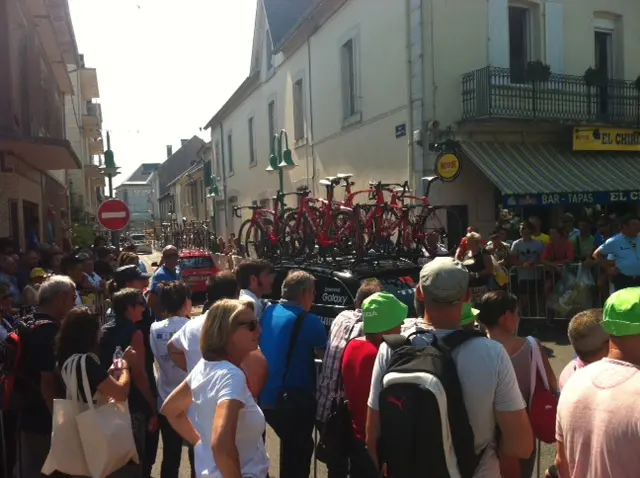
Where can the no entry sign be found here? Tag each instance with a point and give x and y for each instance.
(113, 215)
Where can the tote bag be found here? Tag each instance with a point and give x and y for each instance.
(106, 435)
(66, 454)
(543, 404)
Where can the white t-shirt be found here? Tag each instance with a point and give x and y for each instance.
(212, 383)
(187, 339)
(258, 304)
(488, 383)
(169, 374)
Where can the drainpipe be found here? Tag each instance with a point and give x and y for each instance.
(311, 137)
(224, 180)
(411, 145)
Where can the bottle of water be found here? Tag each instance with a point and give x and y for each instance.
(118, 356)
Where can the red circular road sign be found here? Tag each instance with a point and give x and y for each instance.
(113, 215)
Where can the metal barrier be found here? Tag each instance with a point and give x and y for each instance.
(98, 303)
(548, 292)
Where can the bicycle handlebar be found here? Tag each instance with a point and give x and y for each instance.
(237, 209)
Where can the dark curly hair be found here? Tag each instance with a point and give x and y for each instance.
(78, 334)
(174, 296)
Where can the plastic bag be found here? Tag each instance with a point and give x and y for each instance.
(500, 273)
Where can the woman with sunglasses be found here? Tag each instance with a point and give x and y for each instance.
(121, 331)
(225, 424)
(175, 298)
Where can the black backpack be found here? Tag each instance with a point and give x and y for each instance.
(419, 437)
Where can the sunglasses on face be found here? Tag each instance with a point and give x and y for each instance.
(251, 325)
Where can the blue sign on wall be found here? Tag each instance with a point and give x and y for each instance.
(567, 199)
(401, 130)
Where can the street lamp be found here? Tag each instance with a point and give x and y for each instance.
(280, 159)
(110, 170)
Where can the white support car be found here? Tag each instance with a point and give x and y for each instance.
(142, 243)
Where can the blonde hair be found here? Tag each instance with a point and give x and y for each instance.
(219, 325)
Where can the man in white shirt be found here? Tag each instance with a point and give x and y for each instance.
(489, 386)
(255, 279)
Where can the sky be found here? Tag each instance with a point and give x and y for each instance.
(164, 67)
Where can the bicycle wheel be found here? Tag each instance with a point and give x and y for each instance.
(298, 237)
(441, 224)
(344, 232)
(253, 237)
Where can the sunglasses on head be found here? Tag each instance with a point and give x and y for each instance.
(251, 325)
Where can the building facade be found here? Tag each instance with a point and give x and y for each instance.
(37, 42)
(138, 194)
(333, 75)
(84, 132)
(384, 90)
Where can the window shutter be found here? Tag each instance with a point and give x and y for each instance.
(499, 33)
(555, 35)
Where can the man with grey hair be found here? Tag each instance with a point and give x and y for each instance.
(56, 297)
(290, 338)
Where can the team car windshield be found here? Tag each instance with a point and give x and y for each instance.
(196, 263)
(403, 287)
(138, 237)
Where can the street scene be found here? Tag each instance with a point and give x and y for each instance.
(319, 239)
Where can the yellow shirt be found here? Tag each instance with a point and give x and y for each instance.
(542, 237)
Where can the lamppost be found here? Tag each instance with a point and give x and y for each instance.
(280, 159)
(110, 170)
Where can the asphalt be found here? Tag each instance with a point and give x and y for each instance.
(554, 339)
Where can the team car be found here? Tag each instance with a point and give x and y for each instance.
(197, 266)
(142, 243)
(336, 288)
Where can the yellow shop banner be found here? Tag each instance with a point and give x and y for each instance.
(605, 139)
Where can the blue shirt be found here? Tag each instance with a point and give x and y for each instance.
(142, 267)
(164, 275)
(625, 253)
(14, 290)
(277, 326)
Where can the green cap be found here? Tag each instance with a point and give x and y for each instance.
(469, 314)
(621, 315)
(382, 312)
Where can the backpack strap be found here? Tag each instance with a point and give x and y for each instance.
(395, 341)
(294, 337)
(452, 341)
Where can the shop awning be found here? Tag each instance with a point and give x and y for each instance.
(43, 153)
(530, 174)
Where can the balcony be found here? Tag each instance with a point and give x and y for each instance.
(89, 83)
(490, 93)
(96, 146)
(92, 121)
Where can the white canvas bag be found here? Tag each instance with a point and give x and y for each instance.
(106, 435)
(66, 454)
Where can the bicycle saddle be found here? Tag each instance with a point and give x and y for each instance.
(344, 176)
(325, 182)
(429, 178)
(331, 178)
(399, 190)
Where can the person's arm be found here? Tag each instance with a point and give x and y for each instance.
(177, 347)
(152, 300)
(511, 413)
(571, 254)
(256, 369)
(223, 438)
(601, 254)
(49, 388)
(318, 335)
(118, 389)
(46, 363)
(551, 376)
(488, 266)
(562, 465)
(138, 372)
(175, 409)
(514, 256)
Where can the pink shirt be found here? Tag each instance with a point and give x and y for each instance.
(599, 421)
(569, 370)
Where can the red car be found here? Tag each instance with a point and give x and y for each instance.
(196, 267)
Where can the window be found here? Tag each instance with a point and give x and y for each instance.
(272, 121)
(230, 152)
(349, 79)
(298, 110)
(604, 51)
(269, 52)
(252, 146)
(519, 42)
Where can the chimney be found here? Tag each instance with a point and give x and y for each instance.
(169, 151)
(183, 142)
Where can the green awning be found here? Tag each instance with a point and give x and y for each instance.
(529, 168)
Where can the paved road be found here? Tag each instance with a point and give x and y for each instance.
(553, 338)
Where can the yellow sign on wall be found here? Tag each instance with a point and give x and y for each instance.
(447, 166)
(605, 139)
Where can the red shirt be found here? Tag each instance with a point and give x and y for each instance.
(357, 369)
(559, 252)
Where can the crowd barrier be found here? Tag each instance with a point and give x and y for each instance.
(547, 292)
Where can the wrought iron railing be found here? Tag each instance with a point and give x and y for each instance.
(491, 92)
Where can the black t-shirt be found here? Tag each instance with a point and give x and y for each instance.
(144, 326)
(96, 374)
(39, 355)
(478, 266)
